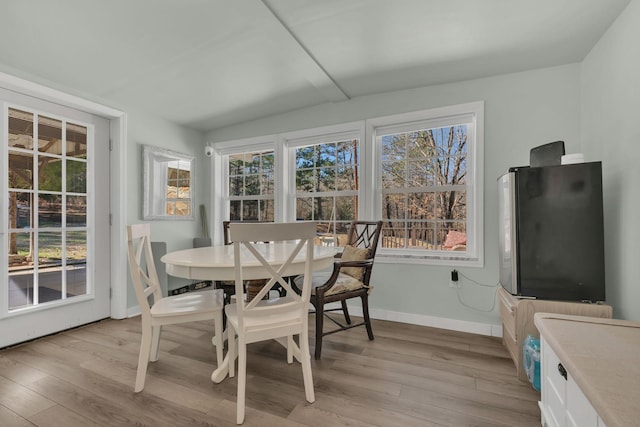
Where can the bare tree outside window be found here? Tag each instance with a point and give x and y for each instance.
(424, 195)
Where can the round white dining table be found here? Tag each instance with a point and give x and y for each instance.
(217, 263)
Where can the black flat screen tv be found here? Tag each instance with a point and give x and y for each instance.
(551, 233)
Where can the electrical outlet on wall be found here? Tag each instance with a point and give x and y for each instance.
(454, 279)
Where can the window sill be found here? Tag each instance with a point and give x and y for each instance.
(434, 260)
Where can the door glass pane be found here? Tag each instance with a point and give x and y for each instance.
(21, 281)
(49, 135)
(49, 174)
(76, 265)
(76, 176)
(50, 210)
(47, 194)
(20, 209)
(20, 129)
(76, 211)
(20, 170)
(49, 266)
(76, 141)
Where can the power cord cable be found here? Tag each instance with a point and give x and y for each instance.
(493, 304)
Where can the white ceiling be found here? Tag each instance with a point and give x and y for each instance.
(211, 63)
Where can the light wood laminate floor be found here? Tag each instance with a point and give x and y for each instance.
(408, 376)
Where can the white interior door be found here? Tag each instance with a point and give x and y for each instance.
(54, 214)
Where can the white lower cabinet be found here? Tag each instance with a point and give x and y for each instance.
(563, 403)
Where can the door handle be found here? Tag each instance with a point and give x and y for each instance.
(562, 371)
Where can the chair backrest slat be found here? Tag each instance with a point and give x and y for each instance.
(365, 234)
(143, 270)
(300, 236)
(227, 233)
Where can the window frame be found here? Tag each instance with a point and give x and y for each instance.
(438, 117)
(293, 140)
(249, 197)
(220, 197)
(472, 113)
(370, 183)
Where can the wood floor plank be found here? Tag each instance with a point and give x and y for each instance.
(409, 375)
(21, 400)
(390, 369)
(10, 418)
(478, 405)
(18, 372)
(58, 415)
(339, 412)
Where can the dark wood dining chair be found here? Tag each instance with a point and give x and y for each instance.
(349, 279)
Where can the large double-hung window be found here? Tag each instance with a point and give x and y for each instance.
(427, 192)
(420, 173)
(251, 185)
(325, 185)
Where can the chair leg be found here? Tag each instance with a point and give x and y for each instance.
(231, 351)
(219, 338)
(155, 343)
(319, 329)
(365, 314)
(290, 345)
(242, 380)
(305, 359)
(345, 310)
(143, 358)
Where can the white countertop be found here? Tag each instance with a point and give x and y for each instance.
(603, 357)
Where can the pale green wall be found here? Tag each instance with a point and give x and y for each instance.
(521, 111)
(610, 89)
(149, 130)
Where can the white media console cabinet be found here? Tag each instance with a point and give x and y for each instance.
(517, 320)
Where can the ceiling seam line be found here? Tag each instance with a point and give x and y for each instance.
(304, 48)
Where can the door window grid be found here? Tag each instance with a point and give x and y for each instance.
(46, 179)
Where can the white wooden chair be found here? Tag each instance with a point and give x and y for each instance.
(188, 307)
(260, 320)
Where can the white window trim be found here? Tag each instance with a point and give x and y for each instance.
(369, 199)
(292, 140)
(474, 256)
(220, 178)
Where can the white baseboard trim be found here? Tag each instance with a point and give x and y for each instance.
(410, 318)
(431, 321)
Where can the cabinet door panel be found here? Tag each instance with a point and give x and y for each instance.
(579, 410)
(555, 377)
